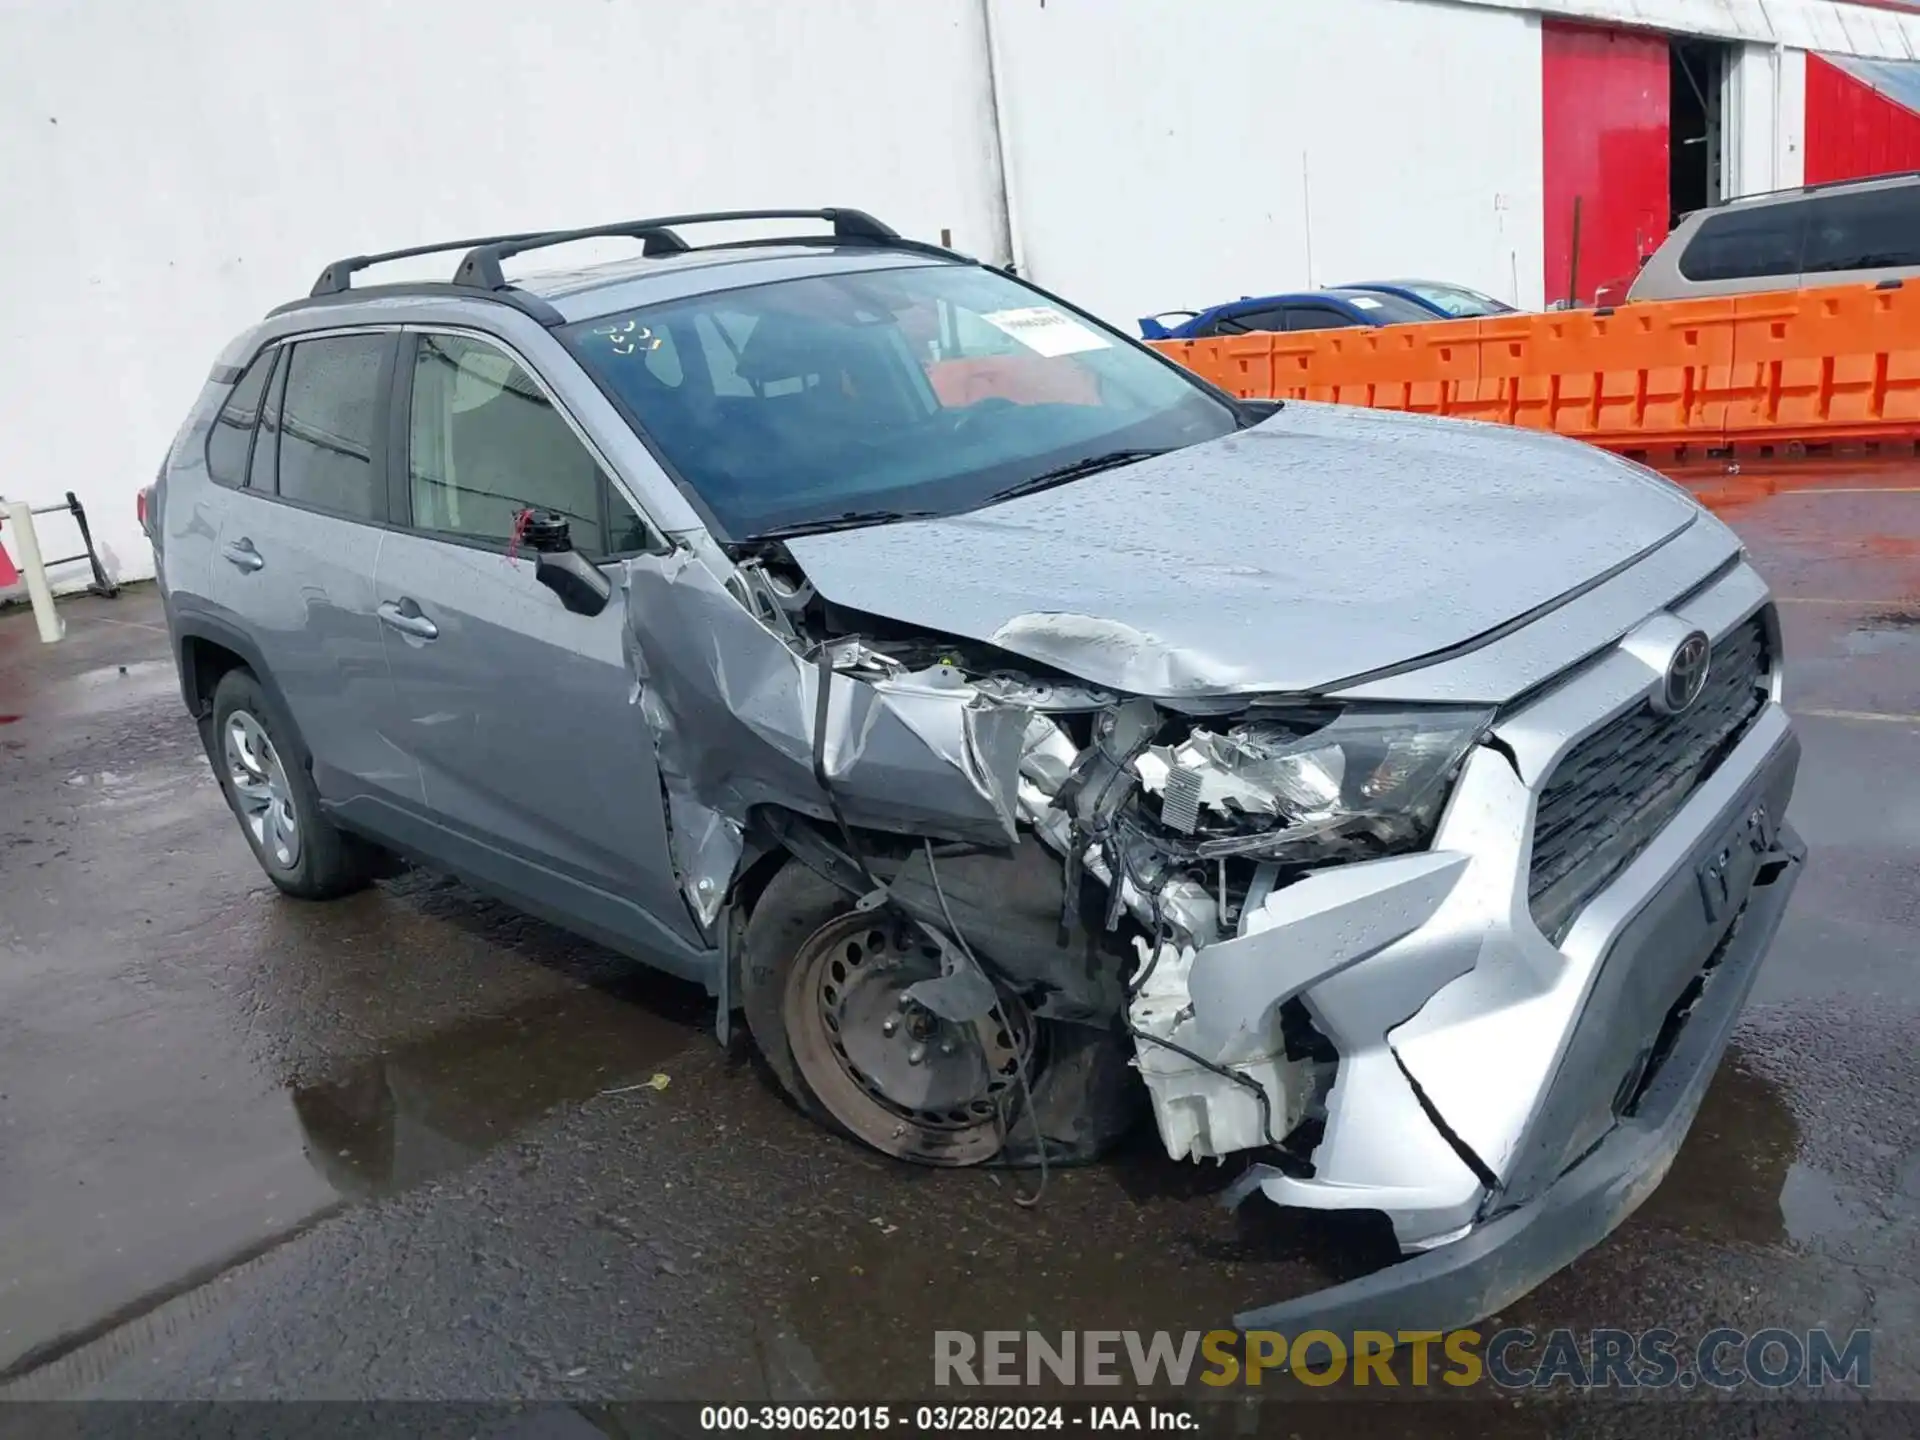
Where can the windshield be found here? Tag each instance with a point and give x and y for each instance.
(861, 395)
(1457, 300)
(1382, 308)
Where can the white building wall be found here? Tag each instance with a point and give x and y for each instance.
(1177, 153)
(1766, 98)
(172, 170)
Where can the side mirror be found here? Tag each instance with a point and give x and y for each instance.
(562, 569)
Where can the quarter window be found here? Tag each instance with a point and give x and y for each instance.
(485, 443)
(264, 473)
(327, 429)
(233, 427)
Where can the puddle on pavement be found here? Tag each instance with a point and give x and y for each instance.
(107, 687)
(852, 1262)
(424, 1109)
(1728, 1180)
(1813, 1205)
(1138, 1243)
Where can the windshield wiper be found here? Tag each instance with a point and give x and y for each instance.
(847, 520)
(1073, 470)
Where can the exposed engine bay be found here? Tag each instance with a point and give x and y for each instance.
(1069, 851)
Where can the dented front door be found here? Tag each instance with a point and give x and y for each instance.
(533, 760)
(539, 774)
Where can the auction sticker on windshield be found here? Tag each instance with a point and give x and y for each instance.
(1045, 331)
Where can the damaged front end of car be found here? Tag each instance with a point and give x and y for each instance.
(1115, 862)
(1308, 925)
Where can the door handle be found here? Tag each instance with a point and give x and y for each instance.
(407, 619)
(241, 553)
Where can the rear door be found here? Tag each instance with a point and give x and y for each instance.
(539, 773)
(298, 545)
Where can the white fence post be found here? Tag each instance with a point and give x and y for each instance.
(20, 517)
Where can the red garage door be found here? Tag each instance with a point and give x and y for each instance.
(1607, 126)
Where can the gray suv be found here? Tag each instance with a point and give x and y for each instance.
(1022, 734)
(1844, 232)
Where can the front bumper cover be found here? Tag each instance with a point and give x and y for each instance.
(1502, 1258)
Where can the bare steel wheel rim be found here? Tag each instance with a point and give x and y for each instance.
(260, 785)
(895, 1075)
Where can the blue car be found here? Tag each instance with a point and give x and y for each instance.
(1340, 309)
(1441, 299)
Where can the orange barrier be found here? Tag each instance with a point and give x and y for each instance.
(1790, 367)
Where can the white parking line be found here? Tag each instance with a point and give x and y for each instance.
(1874, 715)
(1854, 490)
(1842, 600)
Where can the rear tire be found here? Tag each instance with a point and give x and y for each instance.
(272, 796)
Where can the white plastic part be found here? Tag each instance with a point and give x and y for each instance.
(1202, 1114)
(20, 520)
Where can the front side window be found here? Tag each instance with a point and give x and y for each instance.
(1759, 241)
(328, 413)
(232, 433)
(485, 443)
(909, 390)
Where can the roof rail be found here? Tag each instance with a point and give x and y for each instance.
(1812, 189)
(339, 275)
(480, 268)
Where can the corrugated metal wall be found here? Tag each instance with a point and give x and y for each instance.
(1863, 117)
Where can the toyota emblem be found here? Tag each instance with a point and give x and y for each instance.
(1686, 675)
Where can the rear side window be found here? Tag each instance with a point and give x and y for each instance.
(1318, 317)
(328, 414)
(1747, 244)
(1867, 230)
(1242, 322)
(232, 433)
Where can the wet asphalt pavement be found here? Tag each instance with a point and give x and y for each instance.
(412, 1144)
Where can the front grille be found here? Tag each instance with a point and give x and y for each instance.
(1612, 792)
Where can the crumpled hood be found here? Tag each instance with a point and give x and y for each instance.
(1323, 544)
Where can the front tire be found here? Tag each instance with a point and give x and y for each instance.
(273, 798)
(823, 987)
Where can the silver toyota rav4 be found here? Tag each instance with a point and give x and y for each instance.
(1019, 732)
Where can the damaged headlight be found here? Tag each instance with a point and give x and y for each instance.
(1310, 784)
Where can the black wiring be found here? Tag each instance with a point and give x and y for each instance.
(1246, 1081)
(1019, 1057)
